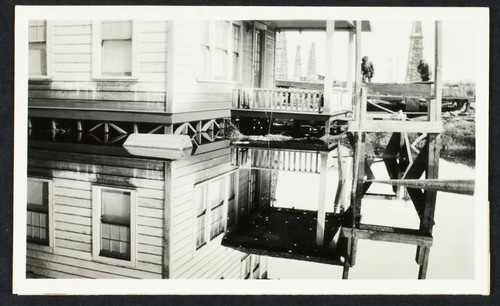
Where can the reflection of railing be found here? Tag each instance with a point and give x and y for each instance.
(274, 159)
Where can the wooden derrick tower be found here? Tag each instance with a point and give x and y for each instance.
(416, 52)
(297, 72)
(281, 57)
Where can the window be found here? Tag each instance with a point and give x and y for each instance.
(220, 51)
(37, 38)
(211, 202)
(39, 200)
(113, 223)
(114, 49)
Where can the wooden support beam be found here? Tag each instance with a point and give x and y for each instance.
(427, 219)
(350, 63)
(357, 65)
(320, 227)
(435, 110)
(329, 67)
(452, 186)
(388, 234)
(79, 126)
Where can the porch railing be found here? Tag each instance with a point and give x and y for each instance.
(295, 100)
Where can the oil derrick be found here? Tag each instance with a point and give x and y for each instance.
(416, 52)
(311, 64)
(281, 57)
(297, 72)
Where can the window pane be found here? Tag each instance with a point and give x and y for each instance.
(115, 207)
(200, 232)
(216, 192)
(37, 31)
(204, 61)
(38, 192)
(199, 199)
(221, 28)
(205, 33)
(236, 64)
(116, 30)
(220, 65)
(117, 57)
(236, 38)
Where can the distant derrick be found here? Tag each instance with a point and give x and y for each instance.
(311, 64)
(297, 72)
(416, 52)
(281, 57)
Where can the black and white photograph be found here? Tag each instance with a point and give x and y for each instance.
(303, 150)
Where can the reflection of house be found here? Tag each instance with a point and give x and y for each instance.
(94, 210)
(97, 211)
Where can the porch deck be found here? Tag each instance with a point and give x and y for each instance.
(288, 233)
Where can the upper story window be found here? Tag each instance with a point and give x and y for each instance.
(211, 202)
(113, 224)
(38, 55)
(220, 51)
(39, 200)
(114, 50)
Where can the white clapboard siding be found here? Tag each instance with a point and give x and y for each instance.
(71, 62)
(73, 175)
(212, 261)
(191, 94)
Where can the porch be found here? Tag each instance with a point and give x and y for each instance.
(289, 233)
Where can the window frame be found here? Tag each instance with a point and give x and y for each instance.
(97, 53)
(48, 53)
(50, 213)
(96, 226)
(207, 233)
(211, 77)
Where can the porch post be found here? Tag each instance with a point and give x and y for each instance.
(328, 83)
(357, 75)
(350, 65)
(320, 227)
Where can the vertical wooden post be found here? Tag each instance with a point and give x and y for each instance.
(320, 227)
(350, 67)
(328, 84)
(79, 126)
(433, 142)
(357, 65)
(435, 110)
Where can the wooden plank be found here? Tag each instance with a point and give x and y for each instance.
(103, 105)
(96, 95)
(396, 126)
(399, 89)
(388, 234)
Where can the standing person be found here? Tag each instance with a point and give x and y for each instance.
(423, 69)
(367, 70)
